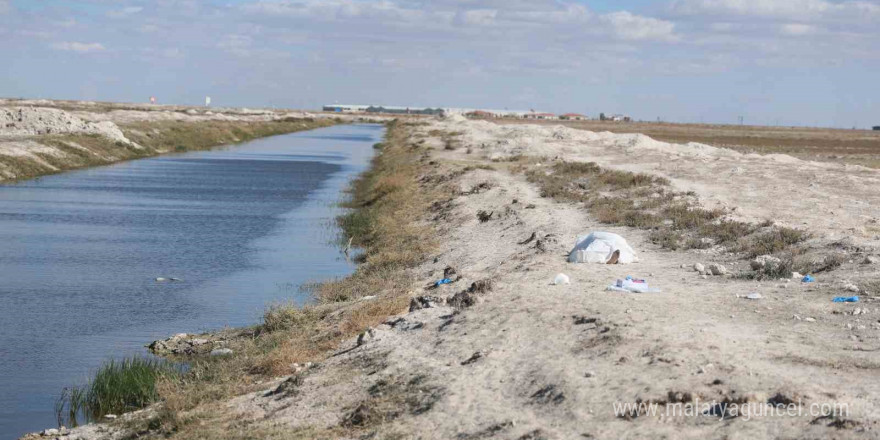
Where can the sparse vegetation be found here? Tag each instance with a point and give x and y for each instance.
(643, 201)
(117, 387)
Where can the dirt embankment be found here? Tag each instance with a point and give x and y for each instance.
(499, 352)
(45, 137)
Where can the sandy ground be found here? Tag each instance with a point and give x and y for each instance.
(536, 361)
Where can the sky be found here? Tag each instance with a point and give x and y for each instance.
(772, 62)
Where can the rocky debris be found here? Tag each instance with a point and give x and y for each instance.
(850, 287)
(424, 302)
(583, 320)
(366, 336)
(471, 296)
(699, 268)
(463, 300)
(481, 286)
(36, 121)
(299, 368)
(548, 395)
(716, 269)
(474, 357)
(530, 239)
(766, 263)
(403, 324)
(183, 344)
(490, 432)
(288, 388)
(537, 434)
(871, 259)
(449, 272)
(484, 216)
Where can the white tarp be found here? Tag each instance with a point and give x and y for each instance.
(598, 247)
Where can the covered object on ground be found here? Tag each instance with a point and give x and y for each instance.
(600, 247)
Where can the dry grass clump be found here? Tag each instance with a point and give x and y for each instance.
(643, 201)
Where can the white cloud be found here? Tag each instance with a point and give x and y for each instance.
(74, 46)
(784, 9)
(797, 29)
(4, 6)
(124, 12)
(634, 27)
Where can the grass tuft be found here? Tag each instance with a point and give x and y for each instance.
(117, 387)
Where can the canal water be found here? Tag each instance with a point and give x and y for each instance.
(242, 226)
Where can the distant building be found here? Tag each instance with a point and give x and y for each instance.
(541, 116)
(614, 118)
(877, 128)
(350, 108)
(345, 108)
(573, 117)
(405, 110)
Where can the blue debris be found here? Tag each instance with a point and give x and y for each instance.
(443, 281)
(808, 279)
(846, 299)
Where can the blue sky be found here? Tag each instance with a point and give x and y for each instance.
(791, 62)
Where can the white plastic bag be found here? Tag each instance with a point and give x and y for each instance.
(598, 247)
(561, 279)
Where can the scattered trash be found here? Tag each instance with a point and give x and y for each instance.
(561, 279)
(368, 298)
(754, 296)
(808, 279)
(221, 352)
(602, 248)
(634, 286)
(160, 279)
(846, 299)
(442, 282)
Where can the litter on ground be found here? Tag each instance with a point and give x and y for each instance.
(808, 279)
(443, 281)
(846, 299)
(561, 279)
(602, 248)
(633, 286)
(754, 296)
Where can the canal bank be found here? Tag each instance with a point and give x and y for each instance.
(241, 227)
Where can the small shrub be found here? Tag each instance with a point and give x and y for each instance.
(287, 316)
(770, 242)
